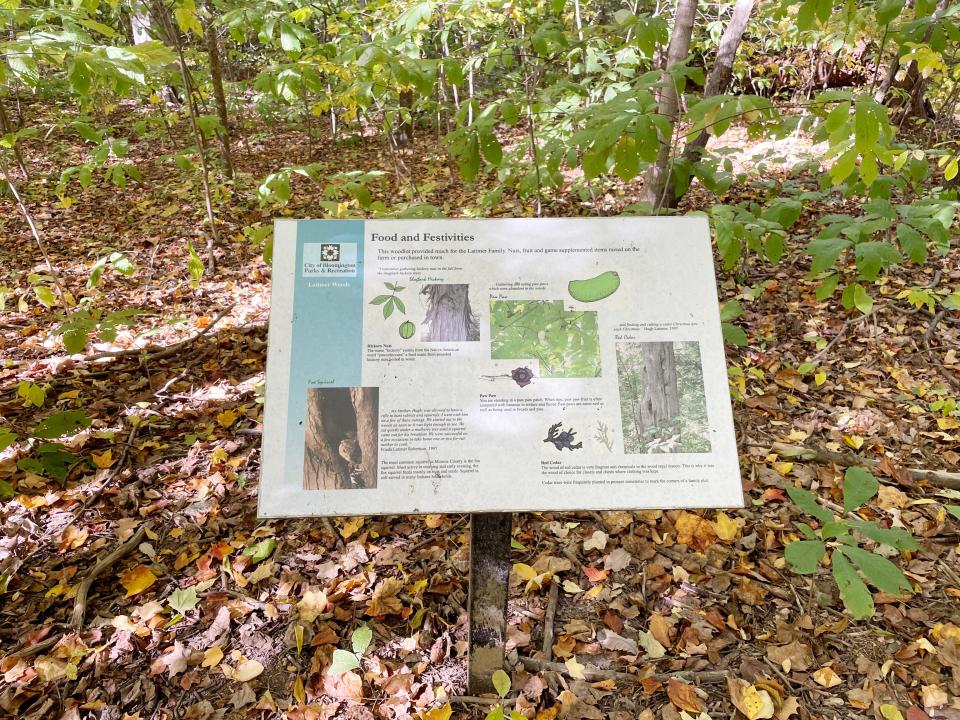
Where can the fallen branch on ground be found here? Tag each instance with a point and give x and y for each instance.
(157, 353)
(593, 674)
(80, 603)
(939, 478)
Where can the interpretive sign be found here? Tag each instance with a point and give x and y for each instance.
(420, 366)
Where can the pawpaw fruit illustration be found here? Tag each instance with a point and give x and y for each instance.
(407, 329)
(596, 288)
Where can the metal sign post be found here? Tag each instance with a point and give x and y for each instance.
(487, 602)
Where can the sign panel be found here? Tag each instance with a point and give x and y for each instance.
(420, 366)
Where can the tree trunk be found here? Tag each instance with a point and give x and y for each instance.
(717, 83)
(366, 401)
(915, 84)
(323, 467)
(449, 316)
(657, 175)
(405, 126)
(220, 98)
(661, 400)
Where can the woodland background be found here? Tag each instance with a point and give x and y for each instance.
(146, 149)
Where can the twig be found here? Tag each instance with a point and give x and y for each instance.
(840, 333)
(548, 621)
(592, 673)
(80, 604)
(939, 478)
(114, 471)
(158, 353)
(477, 700)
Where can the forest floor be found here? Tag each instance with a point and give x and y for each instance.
(678, 614)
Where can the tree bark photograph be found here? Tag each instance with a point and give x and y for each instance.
(341, 438)
(449, 315)
(662, 402)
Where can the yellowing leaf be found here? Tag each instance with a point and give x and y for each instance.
(137, 580)
(575, 668)
(570, 587)
(350, 526)
(524, 571)
(212, 656)
(299, 692)
(727, 529)
(227, 418)
(439, 713)
(783, 468)
(104, 459)
(854, 441)
(948, 423)
(219, 456)
(891, 712)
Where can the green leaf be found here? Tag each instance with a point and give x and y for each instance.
(827, 287)
(807, 501)
(888, 10)
(183, 600)
(953, 510)
(400, 306)
(361, 639)
(380, 299)
(595, 162)
(912, 243)
(62, 423)
(491, 148)
(859, 485)
(730, 310)
(261, 550)
(388, 307)
(6, 492)
(8, 438)
(855, 296)
(866, 127)
(804, 556)
(825, 252)
(878, 570)
(734, 334)
(45, 295)
(495, 714)
(195, 266)
(894, 537)
(501, 683)
(343, 661)
(875, 255)
(470, 159)
(626, 160)
(75, 340)
(854, 593)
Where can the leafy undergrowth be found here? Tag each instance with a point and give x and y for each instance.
(212, 614)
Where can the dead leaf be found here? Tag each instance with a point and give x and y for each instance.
(245, 671)
(619, 559)
(597, 541)
(385, 600)
(792, 656)
(684, 696)
(695, 531)
(826, 677)
(312, 605)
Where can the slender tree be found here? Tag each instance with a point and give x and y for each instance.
(668, 105)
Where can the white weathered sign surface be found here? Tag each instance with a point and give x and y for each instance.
(489, 365)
